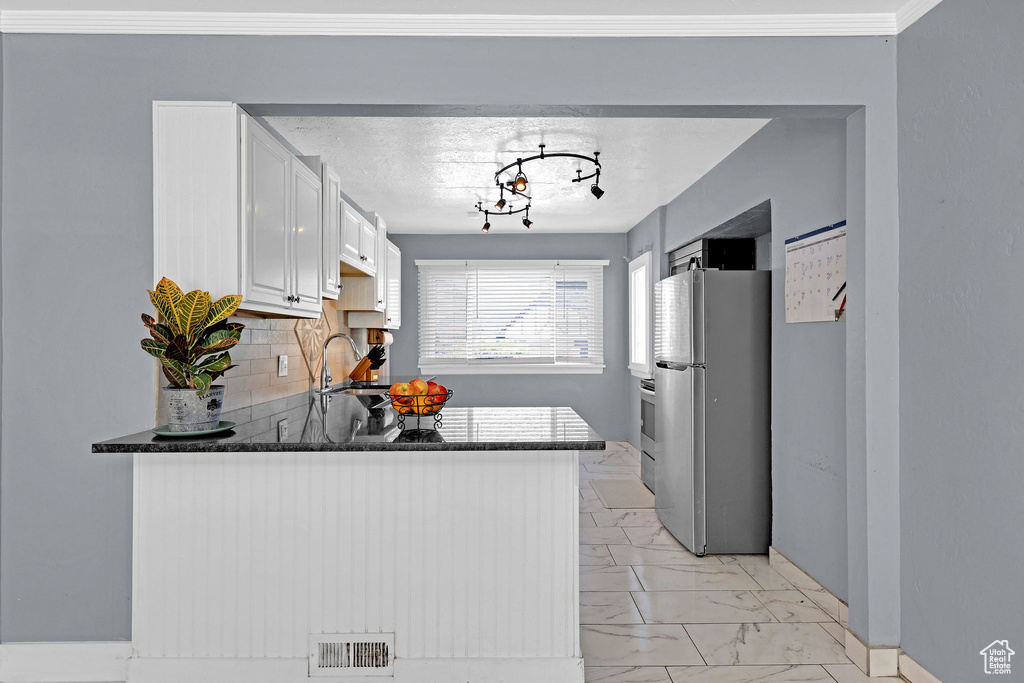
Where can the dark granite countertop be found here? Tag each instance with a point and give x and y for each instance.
(348, 424)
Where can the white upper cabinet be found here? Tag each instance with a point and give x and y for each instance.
(267, 235)
(331, 237)
(351, 232)
(393, 279)
(368, 247)
(281, 220)
(233, 210)
(380, 262)
(307, 213)
(366, 306)
(358, 243)
(195, 164)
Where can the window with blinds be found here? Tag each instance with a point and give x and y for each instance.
(511, 316)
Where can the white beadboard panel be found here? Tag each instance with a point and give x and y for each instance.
(244, 555)
(195, 194)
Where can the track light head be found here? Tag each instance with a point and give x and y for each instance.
(487, 227)
(500, 204)
(596, 191)
(527, 222)
(519, 184)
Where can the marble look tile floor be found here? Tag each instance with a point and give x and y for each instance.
(652, 612)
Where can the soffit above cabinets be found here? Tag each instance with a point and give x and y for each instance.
(465, 17)
(426, 174)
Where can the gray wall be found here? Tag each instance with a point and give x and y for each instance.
(961, 119)
(1, 284)
(800, 165)
(598, 399)
(77, 238)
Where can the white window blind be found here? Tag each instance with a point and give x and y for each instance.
(511, 316)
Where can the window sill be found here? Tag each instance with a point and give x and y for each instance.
(512, 369)
(642, 373)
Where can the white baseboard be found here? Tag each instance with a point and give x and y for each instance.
(818, 594)
(90, 662)
(264, 670)
(874, 661)
(914, 672)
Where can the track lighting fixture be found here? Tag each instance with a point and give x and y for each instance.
(519, 184)
(487, 226)
(595, 189)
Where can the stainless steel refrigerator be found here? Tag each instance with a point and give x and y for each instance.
(713, 416)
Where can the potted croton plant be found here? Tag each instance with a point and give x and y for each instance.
(191, 344)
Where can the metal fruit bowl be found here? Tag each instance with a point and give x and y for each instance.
(427, 404)
(419, 406)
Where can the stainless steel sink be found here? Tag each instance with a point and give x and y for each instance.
(363, 391)
(355, 391)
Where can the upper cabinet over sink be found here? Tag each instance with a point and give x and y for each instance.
(359, 243)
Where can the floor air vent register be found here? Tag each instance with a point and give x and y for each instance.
(352, 654)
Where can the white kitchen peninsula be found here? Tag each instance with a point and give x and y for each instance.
(252, 557)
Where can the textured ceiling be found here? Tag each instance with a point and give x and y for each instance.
(425, 175)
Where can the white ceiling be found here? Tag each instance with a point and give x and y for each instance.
(465, 17)
(425, 175)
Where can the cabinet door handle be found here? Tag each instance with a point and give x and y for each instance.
(380, 301)
(298, 299)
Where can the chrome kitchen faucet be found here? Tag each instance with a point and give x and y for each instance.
(325, 372)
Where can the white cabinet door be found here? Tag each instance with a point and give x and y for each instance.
(330, 231)
(368, 247)
(382, 263)
(393, 270)
(266, 234)
(307, 212)
(351, 232)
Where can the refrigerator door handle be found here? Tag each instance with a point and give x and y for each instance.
(677, 366)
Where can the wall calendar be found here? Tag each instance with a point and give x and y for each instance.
(816, 275)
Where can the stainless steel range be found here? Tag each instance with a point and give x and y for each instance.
(647, 443)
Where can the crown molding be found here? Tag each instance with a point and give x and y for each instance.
(912, 11)
(267, 24)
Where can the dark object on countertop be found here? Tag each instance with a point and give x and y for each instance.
(419, 436)
(371, 361)
(376, 356)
